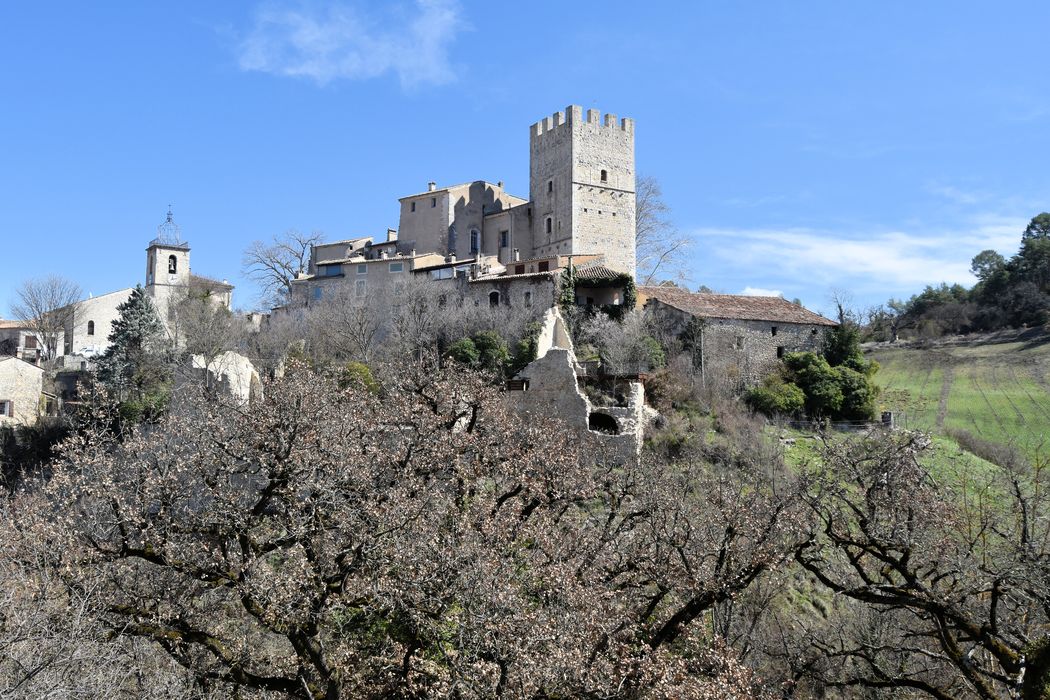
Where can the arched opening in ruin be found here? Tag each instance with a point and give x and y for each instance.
(603, 423)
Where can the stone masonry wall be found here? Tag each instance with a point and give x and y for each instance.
(21, 383)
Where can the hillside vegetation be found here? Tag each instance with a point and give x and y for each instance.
(995, 387)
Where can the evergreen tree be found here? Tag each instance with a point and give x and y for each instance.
(135, 368)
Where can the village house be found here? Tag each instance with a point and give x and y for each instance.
(17, 339)
(737, 339)
(21, 392)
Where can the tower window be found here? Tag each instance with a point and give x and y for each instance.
(91, 328)
(605, 176)
(774, 330)
(549, 225)
(504, 239)
(475, 241)
(413, 206)
(433, 202)
(493, 298)
(550, 186)
(173, 264)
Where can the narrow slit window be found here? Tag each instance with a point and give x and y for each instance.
(91, 328)
(605, 176)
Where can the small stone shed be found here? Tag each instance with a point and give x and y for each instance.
(735, 340)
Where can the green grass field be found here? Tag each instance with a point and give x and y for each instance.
(997, 391)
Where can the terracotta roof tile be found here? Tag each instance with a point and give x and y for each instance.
(595, 271)
(734, 306)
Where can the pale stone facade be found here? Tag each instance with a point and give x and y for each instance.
(21, 391)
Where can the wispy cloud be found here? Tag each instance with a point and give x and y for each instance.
(342, 41)
(887, 260)
(760, 292)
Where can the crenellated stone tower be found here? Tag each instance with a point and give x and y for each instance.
(582, 186)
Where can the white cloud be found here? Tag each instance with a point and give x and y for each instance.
(890, 260)
(760, 292)
(346, 42)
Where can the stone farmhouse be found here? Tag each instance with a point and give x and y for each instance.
(736, 338)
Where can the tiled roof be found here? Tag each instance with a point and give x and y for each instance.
(497, 278)
(13, 324)
(596, 271)
(733, 306)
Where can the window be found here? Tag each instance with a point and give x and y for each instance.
(605, 176)
(780, 351)
(30, 342)
(359, 288)
(549, 225)
(91, 328)
(813, 332)
(774, 330)
(362, 269)
(545, 266)
(740, 342)
(433, 202)
(475, 241)
(318, 293)
(504, 239)
(397, 267)
(333, 270)
(493, 298)
(173, 264)
(550, 186)
(7, 408)
(519, 269)
(413, 206)
(528, 299)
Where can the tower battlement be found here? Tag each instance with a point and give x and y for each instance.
(574, 114)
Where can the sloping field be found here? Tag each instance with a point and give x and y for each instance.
(997, 389)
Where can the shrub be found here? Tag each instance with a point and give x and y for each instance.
(776, 397)
(465, 352)
(358, 374)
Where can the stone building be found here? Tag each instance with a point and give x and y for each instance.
(17, 339)
(21, 391)
(735, 339)
(581, 200)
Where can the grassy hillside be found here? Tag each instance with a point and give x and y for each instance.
(997, 387)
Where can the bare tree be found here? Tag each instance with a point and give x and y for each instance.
(659, 247)
(274, 265)
(47, 305)
(420, 541)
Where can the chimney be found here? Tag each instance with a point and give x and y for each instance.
(517, 255)
(500, 184)
(431, 186)
(391, 234)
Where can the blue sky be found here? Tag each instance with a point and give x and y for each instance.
(804, 147)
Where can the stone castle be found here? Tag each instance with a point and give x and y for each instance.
(581, 200)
